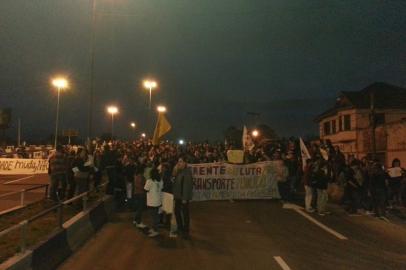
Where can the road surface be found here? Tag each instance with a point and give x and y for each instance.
(249, 235)
(11, 183)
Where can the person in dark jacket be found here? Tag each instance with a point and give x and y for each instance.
(183, 193)
(320, 175)
(58, 171)
(109, 163)
(378, 187)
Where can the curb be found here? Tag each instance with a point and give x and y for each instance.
(61, 244)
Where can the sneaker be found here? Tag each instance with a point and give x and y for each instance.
(153, 233)
(322, 214)
(173, 235)
(141, 225)
(311, 210)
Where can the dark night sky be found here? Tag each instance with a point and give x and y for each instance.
(214, 60)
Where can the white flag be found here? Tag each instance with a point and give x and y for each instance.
(305, 153)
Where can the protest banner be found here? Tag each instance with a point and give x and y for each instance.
(224, 181)
(12, 166)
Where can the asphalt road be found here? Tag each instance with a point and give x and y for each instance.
(249, 235)
(11, 183)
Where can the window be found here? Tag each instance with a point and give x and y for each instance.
(334, 126)
(327, 128)
(347, 122)
(340, 123)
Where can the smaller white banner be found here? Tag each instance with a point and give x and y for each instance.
(11, 166)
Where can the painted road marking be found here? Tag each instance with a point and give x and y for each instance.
(282, 263)
(301, 212)
(17, 180)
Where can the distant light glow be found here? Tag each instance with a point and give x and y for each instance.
(112, 110)
(255, 133)
(150, 84)
(143, 135)
(161, 109)
(60, 83)
(181, 142)
(133, 125)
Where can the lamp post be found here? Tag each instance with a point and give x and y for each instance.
(113, 110)
(133, 125)
(150, 85)
(60, 84)
(161, 109)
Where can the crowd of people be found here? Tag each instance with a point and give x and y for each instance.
(138, 172)
(362, 186)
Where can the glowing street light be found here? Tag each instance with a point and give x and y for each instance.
(150, 85)
(143, 135)
(133, 125)
(181, 142)
(255, 133)
(113, 110)
(60, 84)
(161, 109)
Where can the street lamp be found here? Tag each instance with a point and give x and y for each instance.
(149, 85)
(113, 110)
(143, 135)
(133, 126)
(60, 84)
(255, 133)
(161, 109)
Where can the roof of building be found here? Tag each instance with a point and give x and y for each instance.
(386, 96)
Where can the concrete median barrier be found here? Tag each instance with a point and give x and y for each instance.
(60, 245)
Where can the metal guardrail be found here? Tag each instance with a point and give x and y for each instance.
(23, 193)
(23, 225)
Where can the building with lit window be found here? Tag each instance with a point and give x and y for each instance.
(348, 124)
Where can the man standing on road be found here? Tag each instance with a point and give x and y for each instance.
(182, 193)
(58, 170)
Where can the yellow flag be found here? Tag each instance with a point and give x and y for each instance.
(162, 127)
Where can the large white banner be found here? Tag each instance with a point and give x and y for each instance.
(223, 181)
(10, 166)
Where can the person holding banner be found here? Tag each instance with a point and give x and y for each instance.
(183, 193)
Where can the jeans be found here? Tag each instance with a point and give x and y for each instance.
(355, 198)
(56, 181)
(155, 217)
(322, 199)
(71, 185)
(140, 204)
(308, 197)
(82, 185)
(379, 198)
(112, 176)
(182, 215)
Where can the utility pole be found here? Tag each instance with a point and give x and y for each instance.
(373, 122)
(92, 56)
(19, 132)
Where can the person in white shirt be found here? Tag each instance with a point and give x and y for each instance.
(396, 174)
(154, 186)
